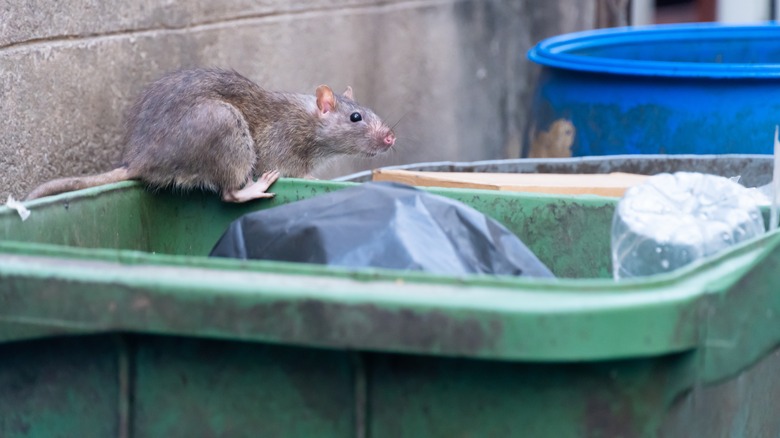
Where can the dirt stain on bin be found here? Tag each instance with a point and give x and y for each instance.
(367, 324)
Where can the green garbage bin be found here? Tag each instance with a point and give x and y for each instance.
(114, 323)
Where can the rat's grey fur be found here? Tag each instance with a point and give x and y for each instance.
(216, 129)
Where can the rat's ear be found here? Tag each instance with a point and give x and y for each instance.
(326, 101)
(348, 93)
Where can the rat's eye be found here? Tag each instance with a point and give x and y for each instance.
(355, 117)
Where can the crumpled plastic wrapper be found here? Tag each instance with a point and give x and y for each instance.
(381, 225)
(24, 213)
(672, 220)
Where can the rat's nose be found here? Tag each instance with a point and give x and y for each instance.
(389, 139)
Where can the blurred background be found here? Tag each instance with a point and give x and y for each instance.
(679, 11)
(452, 73)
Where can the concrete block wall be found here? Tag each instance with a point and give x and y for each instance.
(452, 71)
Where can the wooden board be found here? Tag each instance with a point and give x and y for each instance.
(613, 184)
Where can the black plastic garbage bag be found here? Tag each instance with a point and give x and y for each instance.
(383, 225)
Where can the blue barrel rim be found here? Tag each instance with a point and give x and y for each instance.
(552, 52)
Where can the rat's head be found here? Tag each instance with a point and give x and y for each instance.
(348, 128)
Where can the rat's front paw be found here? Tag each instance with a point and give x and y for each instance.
(254, 190)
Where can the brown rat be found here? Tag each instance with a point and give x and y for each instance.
(216, 130)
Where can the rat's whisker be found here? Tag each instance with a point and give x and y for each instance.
(399, 120)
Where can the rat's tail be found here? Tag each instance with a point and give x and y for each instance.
(63, 185)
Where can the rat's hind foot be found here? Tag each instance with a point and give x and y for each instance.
(253, 190)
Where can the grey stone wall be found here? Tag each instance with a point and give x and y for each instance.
(454, 72)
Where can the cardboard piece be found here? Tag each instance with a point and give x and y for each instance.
(612, 184)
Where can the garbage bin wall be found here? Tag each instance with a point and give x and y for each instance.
(135, 386)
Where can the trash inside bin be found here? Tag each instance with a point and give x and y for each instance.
(381, 225)
(672, 220)
(612, 184)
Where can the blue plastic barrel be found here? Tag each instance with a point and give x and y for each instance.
(672, 89)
